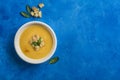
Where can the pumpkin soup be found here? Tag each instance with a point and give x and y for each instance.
(41, 43)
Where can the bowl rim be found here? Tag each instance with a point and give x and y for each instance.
(19, 51)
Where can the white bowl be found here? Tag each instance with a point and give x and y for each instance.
(17, 44)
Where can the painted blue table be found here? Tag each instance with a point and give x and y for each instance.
(88, 40)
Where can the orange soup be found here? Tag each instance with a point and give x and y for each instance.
(27, 48)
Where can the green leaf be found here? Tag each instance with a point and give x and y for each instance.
(53, 60)
(39, 41)
(28, 9)
(24, 14)
(34, 43)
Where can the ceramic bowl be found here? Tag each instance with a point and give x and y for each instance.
(17, 44)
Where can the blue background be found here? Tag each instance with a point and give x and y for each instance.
(88, 40)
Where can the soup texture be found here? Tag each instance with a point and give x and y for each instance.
(27, 48)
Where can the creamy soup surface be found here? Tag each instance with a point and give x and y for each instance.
(26, 36)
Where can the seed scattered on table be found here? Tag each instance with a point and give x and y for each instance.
(41, 5)
(34, 11)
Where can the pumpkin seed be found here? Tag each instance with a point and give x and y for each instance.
(53, 60)
(25, 14)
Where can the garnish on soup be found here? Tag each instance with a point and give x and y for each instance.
(37, 42)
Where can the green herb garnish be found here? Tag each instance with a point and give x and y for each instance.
(53, 60)
(37, 43)
(28, 9)
(25, 14)
(34, 43)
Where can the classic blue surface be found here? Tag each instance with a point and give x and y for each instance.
(88, 40)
